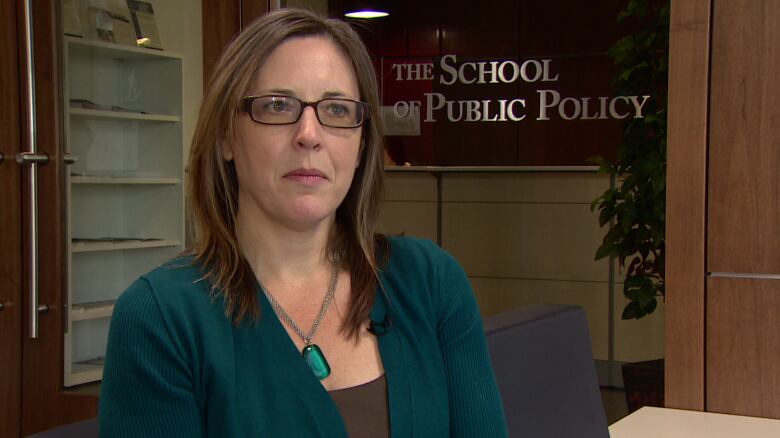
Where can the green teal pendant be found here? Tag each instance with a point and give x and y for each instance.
(316, 361)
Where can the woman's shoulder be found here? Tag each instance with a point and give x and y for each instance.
(176, 284)
(407, 248)
(419, 269)
(419, 258)
(178, 273)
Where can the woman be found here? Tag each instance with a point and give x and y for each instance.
(291, 317)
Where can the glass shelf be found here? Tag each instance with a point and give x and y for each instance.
(115, 51)
(119, 246)
(123, 180)
(85, 372)
(122, 115)
(92, 310)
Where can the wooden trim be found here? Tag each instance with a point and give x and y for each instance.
(251, 9)
(686, 203)
(221, 20)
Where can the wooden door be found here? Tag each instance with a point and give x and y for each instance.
(32, 397)
(10, 228)
(222, 20)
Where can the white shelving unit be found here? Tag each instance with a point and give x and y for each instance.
(123, 108)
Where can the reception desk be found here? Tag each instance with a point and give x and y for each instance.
(650, 422)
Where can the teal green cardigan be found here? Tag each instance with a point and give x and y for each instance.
(177, 367)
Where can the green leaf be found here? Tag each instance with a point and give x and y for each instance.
(628, 220)
(631, 310)
(626, 74)
(650, 307)
(646, 293)
(597, 160)
(603, 251)
(605, 216)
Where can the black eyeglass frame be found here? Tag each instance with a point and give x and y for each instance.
(247, 108)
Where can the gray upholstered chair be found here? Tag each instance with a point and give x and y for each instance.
(545, 371)
(82, 429)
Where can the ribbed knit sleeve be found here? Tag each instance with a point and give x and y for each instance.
(147, 388)
(476, 409)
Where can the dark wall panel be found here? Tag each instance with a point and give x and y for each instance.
(483, 29)
(574, 37)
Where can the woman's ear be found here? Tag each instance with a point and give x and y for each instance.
(364, 139)
(361, 152)
(226, 150)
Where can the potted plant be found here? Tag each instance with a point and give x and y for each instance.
(635, 207)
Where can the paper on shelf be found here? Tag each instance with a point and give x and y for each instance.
(142, 14)
(109, 20)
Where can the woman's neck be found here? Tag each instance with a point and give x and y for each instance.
(279, 253)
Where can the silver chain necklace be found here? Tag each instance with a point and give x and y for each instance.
(310, 352)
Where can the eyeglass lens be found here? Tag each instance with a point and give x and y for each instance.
(281, 110)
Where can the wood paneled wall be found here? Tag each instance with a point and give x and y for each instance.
(743, 213)
(723, 337)
(743, 346)
(744, 190)
(685, 202)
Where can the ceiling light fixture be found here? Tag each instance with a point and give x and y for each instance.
(366, 8)
(366, 13)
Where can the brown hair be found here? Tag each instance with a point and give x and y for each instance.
(213, 186)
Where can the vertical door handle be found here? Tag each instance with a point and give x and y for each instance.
(32, 158)
(2, 157)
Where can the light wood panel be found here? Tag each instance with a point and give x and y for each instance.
(743, 346)
(410, 186)
(744, 190)
(542, 187)
(525, 241)
(685, 210)
(409, 218)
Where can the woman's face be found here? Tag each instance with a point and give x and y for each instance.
(297, 175)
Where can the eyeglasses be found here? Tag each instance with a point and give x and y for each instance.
(286, 110)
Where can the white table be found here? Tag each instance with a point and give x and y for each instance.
(650, 422)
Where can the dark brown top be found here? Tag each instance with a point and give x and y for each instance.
(364, 408)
